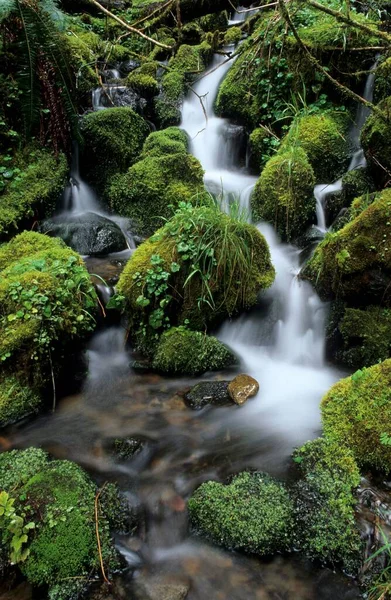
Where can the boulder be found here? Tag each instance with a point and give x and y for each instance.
(87, 233)
(242, 388)
(214, 393)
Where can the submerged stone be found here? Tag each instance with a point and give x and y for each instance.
(242, 388)
(87, 233)
(206, 393)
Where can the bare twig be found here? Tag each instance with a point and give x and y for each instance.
(53, 382)
(97, 496)
(160, 8)
(129, 27)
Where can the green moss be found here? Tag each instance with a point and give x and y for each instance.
(185, 352)
(167, 105)
(355, 262)
(35, 190)
(18, 466)
(169, 141)
(197, 259)
(166, 176)
(283, 195)
(214, 21)
(262, 144)
(383, 79)
(327, 32)
(46, 299)
(357, 411)
(366, 336)
(253, 513)
(191, 59)
(116, 509)
(322, 137)
(145, 85)
(375, 136)
(233, 36)
(16, 400)
(324, 504)
(113, 140)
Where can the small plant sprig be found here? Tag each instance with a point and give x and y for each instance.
(14, 529)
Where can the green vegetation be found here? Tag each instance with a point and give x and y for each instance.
(165, 176)
(185, 352)
(58, 498)
(375, 136)
(354, 263)
(253, 513)
(46, 299)
(145, 85)
(356, 412)
(283, 194)
(188, 272)
(30, 184)
(262, 145)
(324, 503)
(113, 141)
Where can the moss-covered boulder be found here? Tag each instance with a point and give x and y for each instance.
(355, 184)
(262, 144)
(56, 501)
(322, 137)
(253, 513)
(165, 176)
(113, 139)
(356, 413)
(366, 336)
(47, 300)
(354, 264)
(375, 136)
(201, 267)
(34, 180)
(16, 400)
(283, 195)
(325, 526)
(184, 352)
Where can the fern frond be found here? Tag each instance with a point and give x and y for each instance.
(7, 7)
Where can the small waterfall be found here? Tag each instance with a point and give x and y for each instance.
(241, 15)
(214, 141)
(357, 161)
(78, 197)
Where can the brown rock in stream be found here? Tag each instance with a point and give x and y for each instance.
(242, 388)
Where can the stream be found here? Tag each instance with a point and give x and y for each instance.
(281, 343)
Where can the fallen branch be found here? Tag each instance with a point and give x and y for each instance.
(102, 567)
(160, 8)
(246, 10)
(129, 27)
(53, 382)
(343, 89)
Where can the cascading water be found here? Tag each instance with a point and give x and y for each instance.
(358, 161)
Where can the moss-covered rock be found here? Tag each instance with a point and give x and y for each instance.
(233, 36)
(113, 140)
(189, 271)
(46, 300)
(16, 400)
(375, 136)
(283, 194)
(37, 180)
(382, 87)
(366, 336)
(324, 503)
(356, 412)
(354, 264)
(262, 145)
(322, 137)
(146, 85)
(253, 513)
(185, 352)
(165, 176)
(59, 498)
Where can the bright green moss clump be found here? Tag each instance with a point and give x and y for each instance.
(46, 300)
(165, 176)
(34, 191)
(185, 352)
(324, 503)
(357, 411)
(59, 498)
(322, 137)
(253, 513)
(113, 140)
(145, 85)
(355, 263)
(201, 267)
(283, 194)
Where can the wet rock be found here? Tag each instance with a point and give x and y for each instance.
(87, 233)
(242, 388)
(151, 590)
(126, 448)
(214, 393)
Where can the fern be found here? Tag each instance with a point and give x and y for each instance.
(7, 7)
